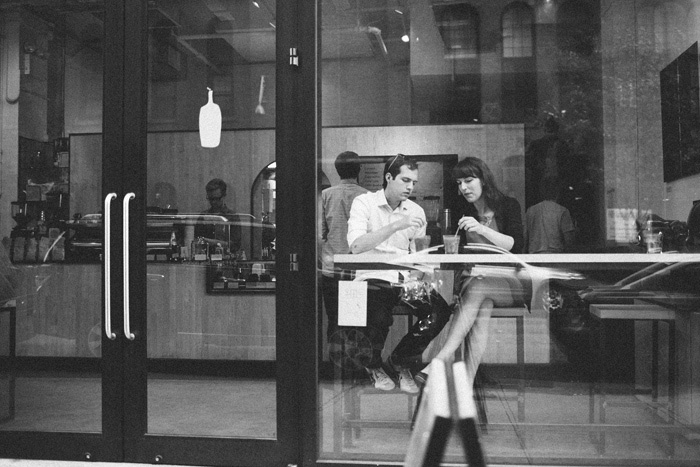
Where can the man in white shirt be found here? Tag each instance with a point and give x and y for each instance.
(386, 221)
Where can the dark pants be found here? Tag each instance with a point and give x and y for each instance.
(329, 290)
(432, 314)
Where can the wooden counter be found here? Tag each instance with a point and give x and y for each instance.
(59, 313)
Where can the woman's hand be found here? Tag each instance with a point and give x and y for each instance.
(470, 224)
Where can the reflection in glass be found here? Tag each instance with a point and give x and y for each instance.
(211, 275)
(570, 90)
(50, 307)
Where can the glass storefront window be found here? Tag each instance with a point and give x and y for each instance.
(586, 115)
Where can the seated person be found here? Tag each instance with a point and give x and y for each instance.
(486, 216)
(386, 221)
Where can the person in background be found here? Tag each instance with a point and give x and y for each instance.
(548, 225)
(164, 197)
(387, 222)
(485, 216)
(335, 207)
(228, 235)
(547, 157)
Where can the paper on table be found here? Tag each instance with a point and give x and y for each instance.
(352, 303)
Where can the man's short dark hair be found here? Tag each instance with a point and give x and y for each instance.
(550, 188)
(393, 166)
(347, 164)
(216, 184)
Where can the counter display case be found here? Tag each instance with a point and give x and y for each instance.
(216, 244)
(241, 277)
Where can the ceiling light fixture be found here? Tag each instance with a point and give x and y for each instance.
(257, 5)
(405, 37)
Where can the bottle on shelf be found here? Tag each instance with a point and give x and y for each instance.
(174, 248)
(200, 249)
(41, 227)
(218, 253)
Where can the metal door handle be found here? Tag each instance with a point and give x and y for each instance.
(125, 254)
(107, 223)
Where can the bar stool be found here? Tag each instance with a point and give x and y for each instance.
(635, 312)
(517, 313)
(11, 309)
(350, 384)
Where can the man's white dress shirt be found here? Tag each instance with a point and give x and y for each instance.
(371, 212)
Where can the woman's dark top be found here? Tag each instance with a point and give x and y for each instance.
(507, 215)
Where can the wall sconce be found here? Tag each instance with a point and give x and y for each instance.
(210, 123)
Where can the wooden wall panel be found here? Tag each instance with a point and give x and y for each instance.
(177, 158)
(62, 303)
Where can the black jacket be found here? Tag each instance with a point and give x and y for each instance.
(508, 217)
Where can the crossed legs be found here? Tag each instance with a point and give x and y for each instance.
(478, 296)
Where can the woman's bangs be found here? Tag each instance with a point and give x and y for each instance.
(465, 171)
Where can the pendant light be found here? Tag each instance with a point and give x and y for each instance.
(260, 109)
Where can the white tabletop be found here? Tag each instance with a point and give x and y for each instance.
(371, 261)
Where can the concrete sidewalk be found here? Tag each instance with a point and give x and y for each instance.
(35, 463)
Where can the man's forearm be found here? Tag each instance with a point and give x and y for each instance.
(371, 239)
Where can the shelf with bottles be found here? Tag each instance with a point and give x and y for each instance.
(38, 235)
(231, 277)
(33, 247)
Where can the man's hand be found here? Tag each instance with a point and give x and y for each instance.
(408, 221)
(371, 239)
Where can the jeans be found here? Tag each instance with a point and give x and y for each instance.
(432, 314)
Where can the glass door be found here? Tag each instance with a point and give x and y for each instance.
(210, 229)
(144, 258)
(209, 369)
(54, 402)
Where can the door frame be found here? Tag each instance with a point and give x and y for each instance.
(124, 365)
(296, 137)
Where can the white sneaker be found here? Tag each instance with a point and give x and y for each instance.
(381, 379)
(406, 383)
(422, 376)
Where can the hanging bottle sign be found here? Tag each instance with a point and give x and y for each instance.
(210, 123)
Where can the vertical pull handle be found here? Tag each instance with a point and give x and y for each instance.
(107, 224)
(125, 239)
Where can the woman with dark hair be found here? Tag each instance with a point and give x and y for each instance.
(485, 216)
